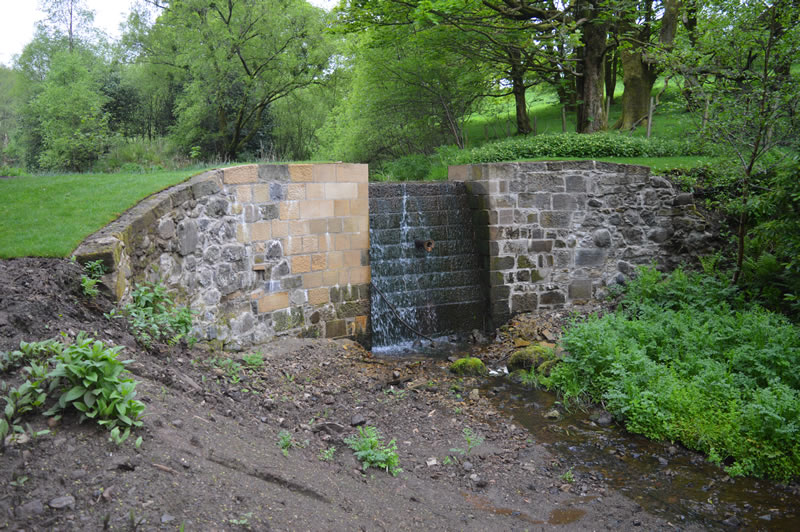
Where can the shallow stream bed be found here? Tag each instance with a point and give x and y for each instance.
(665, 479)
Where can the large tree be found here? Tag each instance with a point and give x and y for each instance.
(237, 56)
(645, 29)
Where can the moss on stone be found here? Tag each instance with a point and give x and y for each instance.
(468, 366)
(530, 358)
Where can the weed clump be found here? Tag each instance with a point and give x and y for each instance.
(468, 366)
(370, 450)
(89, 378)
(154, 317)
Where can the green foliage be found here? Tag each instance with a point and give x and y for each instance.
(409, 93)
(408, 168)
(370, 450)
(472, 440)
(468, 366)
(96, 386)
(326, 455)
(574, 145)
(686, 359)
(88, 376)
(234, 61)
(95, 270)
(286, 441)
(253, 360)
(154, 317)
(69, 109)
(12, 171)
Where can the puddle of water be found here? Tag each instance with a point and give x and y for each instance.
(680, 487)
(483, 504)
(565, 516)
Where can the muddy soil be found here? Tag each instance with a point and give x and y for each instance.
(210, 458)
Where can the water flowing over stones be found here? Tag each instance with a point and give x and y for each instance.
(437, 291)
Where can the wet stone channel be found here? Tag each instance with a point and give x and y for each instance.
(665, 479)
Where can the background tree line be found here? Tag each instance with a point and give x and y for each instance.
(377, 80)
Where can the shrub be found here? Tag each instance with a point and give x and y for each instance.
(409, 168)
(686, 359)
(574, 145)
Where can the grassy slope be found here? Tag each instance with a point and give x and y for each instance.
(48, 216)
(670, 122)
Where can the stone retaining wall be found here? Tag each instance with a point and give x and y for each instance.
(257, 250)
(553, 234)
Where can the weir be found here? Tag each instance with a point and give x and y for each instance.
(426, 273)
(260, 251)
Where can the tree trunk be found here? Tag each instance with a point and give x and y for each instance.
(518, 88)
(611, 76)
(638, 79)
(591, 114)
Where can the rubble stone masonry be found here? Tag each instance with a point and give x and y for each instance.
(255, 250)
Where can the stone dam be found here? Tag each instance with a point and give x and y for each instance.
(316, 250)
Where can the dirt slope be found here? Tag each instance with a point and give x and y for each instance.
(210, 458)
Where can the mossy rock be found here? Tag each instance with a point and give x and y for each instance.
(469, 366)
(530, 358)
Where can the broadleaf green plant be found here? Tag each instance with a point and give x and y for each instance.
(370, 450)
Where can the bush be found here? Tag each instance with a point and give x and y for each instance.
(574, 145)
(686, 359)
(408, 168)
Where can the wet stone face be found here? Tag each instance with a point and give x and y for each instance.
(437, 291)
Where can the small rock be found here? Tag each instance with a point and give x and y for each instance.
(636, 522)
(432, 461)
(357, 420)
(553, 414)
(672, 450)
(732, 521)
(565, 487)
(396, 374)
(26, 455)
(53, 422)
(765, 517)
(663, 461)
(474, 394)
(329, 400)
(604, 419)
(177, 423)
(166, 518)
(473, 477)
(62, 502)
(30, 509)
(467, 466)
(77, 474)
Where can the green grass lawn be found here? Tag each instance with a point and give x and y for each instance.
(48, 216)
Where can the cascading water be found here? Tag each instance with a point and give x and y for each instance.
(426, 273)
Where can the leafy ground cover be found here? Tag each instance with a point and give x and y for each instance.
(48, 216)
(686, 359)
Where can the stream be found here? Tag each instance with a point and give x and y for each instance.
(665, 479)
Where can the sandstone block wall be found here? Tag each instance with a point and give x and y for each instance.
(553, 234)
(257, 250)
